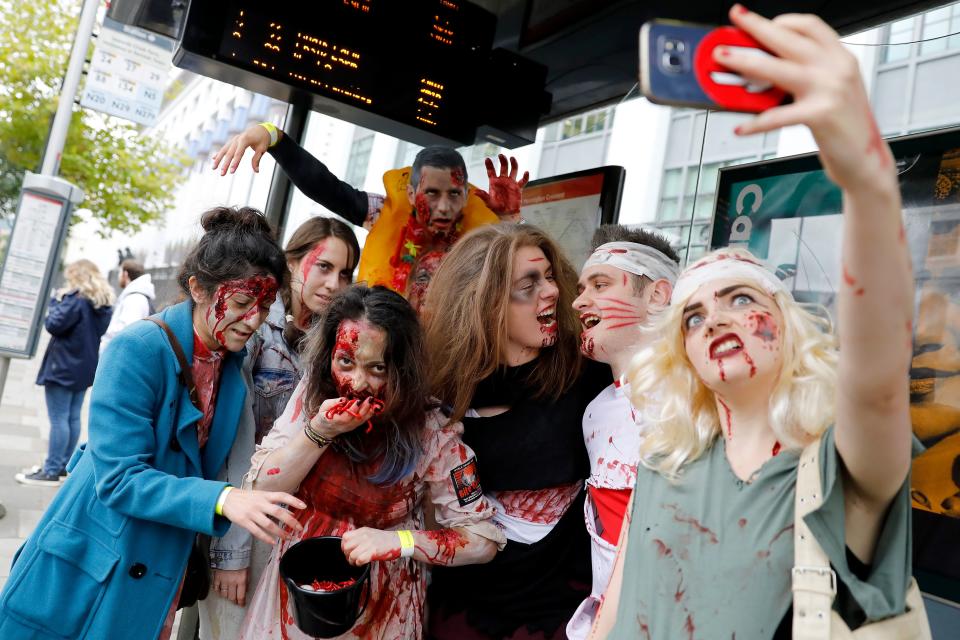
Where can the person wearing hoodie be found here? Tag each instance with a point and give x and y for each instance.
(79, 314)
(135, 302)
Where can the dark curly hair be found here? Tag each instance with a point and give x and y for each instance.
(235, 242)
(402, 420)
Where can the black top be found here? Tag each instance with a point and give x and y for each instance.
(535, 445)
(317, 183)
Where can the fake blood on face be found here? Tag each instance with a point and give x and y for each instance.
(261, 288)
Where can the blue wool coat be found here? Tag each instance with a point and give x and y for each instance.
(107, 557)
(75, 327)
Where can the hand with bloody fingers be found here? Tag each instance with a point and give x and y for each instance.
(364, 545)
(811, 63)
(342, 415)
(505, 191)
(253, 137)
(231, 584)
(256, 512)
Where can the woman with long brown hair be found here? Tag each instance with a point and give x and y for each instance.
(504, 351)
(368, 476)
(321, 256)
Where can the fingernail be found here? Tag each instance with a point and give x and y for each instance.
(723, 52)
(739, 8)
(738, 130)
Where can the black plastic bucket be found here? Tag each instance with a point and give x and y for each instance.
(324, 614)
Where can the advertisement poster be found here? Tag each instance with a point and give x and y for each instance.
(788, 213)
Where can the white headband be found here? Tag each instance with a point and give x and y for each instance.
(721, 266)
(638, 259)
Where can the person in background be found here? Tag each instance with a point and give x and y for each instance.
(321, 256)
(502, 337)
(425, 209)
(625, 282)
(108, 558)
(78, 315)
(749, 391)
(135, 302)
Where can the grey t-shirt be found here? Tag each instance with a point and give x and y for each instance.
(710, 555)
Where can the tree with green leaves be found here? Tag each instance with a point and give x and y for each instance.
(127, 176)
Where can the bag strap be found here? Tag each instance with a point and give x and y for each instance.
(186, 373)
(814, 580)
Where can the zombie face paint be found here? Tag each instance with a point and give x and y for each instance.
(359, 367)
(420, 278)
(438, 199)
(611, 312)
(732, 334)
(318, 276)
(531, 314)
(234, 311)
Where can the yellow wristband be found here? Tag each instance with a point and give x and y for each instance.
(223, 498)
(272, 130)
(406, 543)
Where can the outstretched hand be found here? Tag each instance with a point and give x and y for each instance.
(259, 512)
(505, 191)
(812, 64)
(253, 137)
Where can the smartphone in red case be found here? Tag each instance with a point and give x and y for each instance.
(677, 68)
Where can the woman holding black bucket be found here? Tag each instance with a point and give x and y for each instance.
(366, 474)
(108, 558)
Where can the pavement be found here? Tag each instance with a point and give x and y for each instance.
(24, 433)
(24, 430)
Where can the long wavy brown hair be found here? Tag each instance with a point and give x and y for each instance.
(465, 316)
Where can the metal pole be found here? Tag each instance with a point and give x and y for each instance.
(281, 189)
(71, 81)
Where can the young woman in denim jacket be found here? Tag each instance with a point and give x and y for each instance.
(321, 256)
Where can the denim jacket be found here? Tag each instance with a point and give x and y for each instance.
(273, 371)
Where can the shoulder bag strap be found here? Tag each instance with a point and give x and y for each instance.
(186, 373)
(814, 581)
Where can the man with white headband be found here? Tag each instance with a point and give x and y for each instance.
(629, 275)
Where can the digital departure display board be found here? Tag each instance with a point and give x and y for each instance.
(410, 63)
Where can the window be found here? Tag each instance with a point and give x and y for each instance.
(900, 32)
(359, 158)
(572, 127)
(689, 184)
(940, 24)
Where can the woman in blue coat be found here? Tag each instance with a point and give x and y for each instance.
(108, 557)
(79, 314)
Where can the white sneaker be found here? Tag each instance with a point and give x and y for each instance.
(36, 468)
(38, 479)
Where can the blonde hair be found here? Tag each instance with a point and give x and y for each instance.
(84, 277)
(465, 315)
(681, 412)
